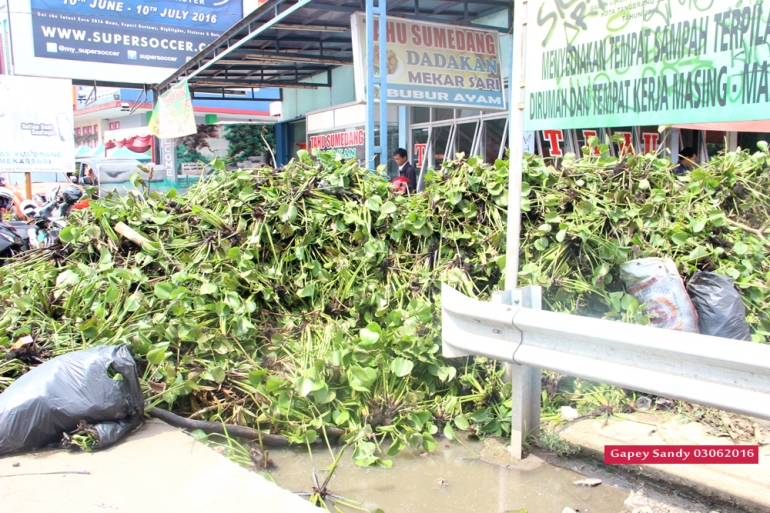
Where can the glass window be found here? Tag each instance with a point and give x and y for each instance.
(420, 115)
(715, 143)
(467, 113)
(689, 138)
(585, 134)
(625, 142)
(749, 140)
(466, 133)
(297, 138)
(650, 140)
(440, 140)
(493, 136)
(419, 147)
(443, 114)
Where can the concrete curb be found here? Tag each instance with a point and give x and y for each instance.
(157, 468)
(743, 486)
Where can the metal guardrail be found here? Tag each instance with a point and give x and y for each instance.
(723, 373)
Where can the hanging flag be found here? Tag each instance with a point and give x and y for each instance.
(173, 115)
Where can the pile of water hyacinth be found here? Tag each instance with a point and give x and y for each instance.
(306, 298)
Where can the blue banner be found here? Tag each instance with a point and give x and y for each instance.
(161, 33)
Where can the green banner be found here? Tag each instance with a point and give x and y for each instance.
(173, 115)
(646, 62)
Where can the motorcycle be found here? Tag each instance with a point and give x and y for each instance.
(50, 219)
(12, 242)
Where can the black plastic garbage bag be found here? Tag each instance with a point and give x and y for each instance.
(51, 399)
(721, 312)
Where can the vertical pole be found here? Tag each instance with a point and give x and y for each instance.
(28, 185)
(673, 145)
(516, 143)
(403, 125)
(369, 136)
(525, 381)
(382, 10)
(525, 384)
(382, 81)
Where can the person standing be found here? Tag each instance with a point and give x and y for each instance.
(405, 169)
(686, 161)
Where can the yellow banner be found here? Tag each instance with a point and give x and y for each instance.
(173, 115)
(431, 64)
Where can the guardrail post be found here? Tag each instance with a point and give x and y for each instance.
(525, 381)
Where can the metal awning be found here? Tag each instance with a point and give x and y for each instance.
(283, 43)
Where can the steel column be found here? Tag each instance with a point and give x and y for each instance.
(516, 85)
(383, 11)
(371, 147)
(403, 124)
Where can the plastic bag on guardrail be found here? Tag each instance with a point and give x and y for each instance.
(721, 312)
(656, 283)
(52, 399)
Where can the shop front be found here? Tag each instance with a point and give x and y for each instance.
(341, 129)
(439, 134)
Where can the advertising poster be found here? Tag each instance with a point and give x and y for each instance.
(36, 123)
(160, 33)
(646, 62)
(434, 65)
(348, 143)
(173, 115)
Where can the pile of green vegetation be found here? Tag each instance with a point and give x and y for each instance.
(306, 298)
(585, 219)
(288, 299)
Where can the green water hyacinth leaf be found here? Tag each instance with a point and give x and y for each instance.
(160, 218)
(680, 238)
(401, 367)
(68, 234)
(584, 208)
(462, 423)
(112, 294)
(304, 386)
(163, 291)
(287, 213)
(307, 291)
(209, 288)
(368, 336)
(67, 279)
(387, 208)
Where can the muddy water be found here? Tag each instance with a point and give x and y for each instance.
(414, 484)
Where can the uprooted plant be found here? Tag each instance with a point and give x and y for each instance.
(306, 298)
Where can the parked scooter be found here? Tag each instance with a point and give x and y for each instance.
(51, 218)
(12, 240)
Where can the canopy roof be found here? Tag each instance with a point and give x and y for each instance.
(285, 42)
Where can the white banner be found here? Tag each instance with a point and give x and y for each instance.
(36, 125)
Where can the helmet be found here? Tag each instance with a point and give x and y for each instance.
(6, 198)
(71, 194)
(401, 184)
(28, 207)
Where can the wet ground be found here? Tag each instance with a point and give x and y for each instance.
(449, 480)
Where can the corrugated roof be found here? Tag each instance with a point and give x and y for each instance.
(285, 42)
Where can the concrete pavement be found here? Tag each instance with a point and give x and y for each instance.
(155, 469)
(744, 486)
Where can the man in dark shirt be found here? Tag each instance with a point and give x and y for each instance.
(405, 169)
(686, 161)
